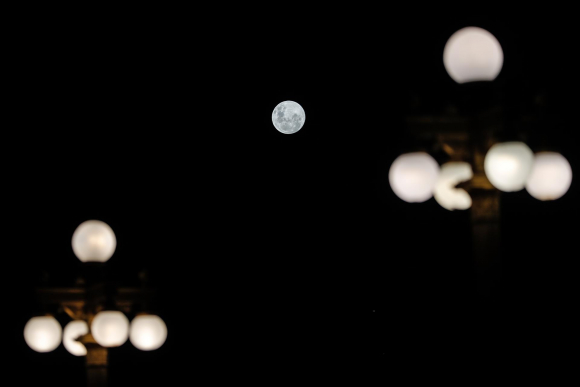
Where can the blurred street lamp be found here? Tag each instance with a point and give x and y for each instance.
(445, 191)
(110, 328)
(43, 334)
(94, 241)
(413, 176)
(507, 165)
(476, 164)
(72, 331)
(472, 54)
(148, 332)
(98, 311)
(550, 177)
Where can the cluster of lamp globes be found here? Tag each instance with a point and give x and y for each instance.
(474, 54)
(471, 54)
(509, 166)
(95, 241)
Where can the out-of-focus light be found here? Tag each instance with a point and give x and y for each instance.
(412, 176)
(110, 328)
(42, 334)
(551, 176)
(148, 332)
(94, 241)
(72, 331)
(472, 54)
(507, 165)
(445, 192)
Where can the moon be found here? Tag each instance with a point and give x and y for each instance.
(288, 117)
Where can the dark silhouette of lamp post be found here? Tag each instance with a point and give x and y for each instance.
(481, 129)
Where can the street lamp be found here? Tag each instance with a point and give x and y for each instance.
(72, 331)
(42, 334)
(413, 176)
(475, 137)
(110, 328)
(148, 332)
(551, 176)
(445, 191)
(94, 241)
(472, 54)
(507, 165)
(98, 310)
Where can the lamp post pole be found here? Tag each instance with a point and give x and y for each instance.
(467, 138)
(485, 214)
(96, 362)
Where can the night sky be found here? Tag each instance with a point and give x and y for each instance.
(281, 258)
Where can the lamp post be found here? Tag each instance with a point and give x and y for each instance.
(97, 309)
(468, 139)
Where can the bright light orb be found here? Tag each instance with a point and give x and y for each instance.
(551, 176)
(445, 193)
(148, 332)
(288, 117)
(42, 334)
(472, 54)
(507, 165)
(110, 328)
(72, 331)
(413, 176)
(94, 241)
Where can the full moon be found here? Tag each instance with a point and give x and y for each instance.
(288, 117)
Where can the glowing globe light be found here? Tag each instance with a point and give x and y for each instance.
(472, 54)
(110, 328)
(551, 176)
(94, 241)
(413, 176)
(507, 165)
(72, 331)
(42, 334)
(148, 332)
(445, 193)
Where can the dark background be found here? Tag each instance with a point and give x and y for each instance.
(280, 258)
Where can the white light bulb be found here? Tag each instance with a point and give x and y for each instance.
(94, 241)
(148, 332)
(445, 192)
(412, 176)
(472, 54)
(42, 334)
(551, 176)
(507, 165)
(72, 331)
(110, 328)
